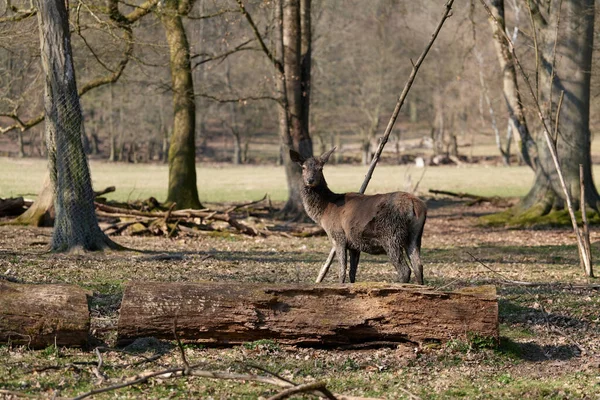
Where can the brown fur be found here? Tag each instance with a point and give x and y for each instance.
(390, 223)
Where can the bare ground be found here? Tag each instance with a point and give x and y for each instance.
(550, 345)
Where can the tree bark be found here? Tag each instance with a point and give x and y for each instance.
(183, 189)
(571, 75)
(76, 225)
(112, 137)
(296, 38)
(293, 78)
(335, 315)
(39, 316)
(516, 114)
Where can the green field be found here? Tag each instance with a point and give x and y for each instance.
(219, 183)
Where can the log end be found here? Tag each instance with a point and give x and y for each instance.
(39, 316)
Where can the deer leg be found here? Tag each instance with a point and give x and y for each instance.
(414, 253)
(397, 258)
(354, 257)
(340, 250)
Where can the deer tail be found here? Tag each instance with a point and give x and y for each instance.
(419, 209)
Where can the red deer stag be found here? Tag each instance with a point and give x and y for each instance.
(390, 223)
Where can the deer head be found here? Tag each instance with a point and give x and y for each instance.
(312, 168)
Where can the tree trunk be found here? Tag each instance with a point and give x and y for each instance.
(484, 92)
(437, 132)
(41, 212)
(296, 79)
(516, 114)
(76, 225)
(183, 188)
(95, 144)
(21, 144)
(305, 66)
(369, 135)
(39, 316)
(237, 148)
(229, 314)
(413, 111)
(366, 153)
(572, 75)
(112, 157)
(233, 126)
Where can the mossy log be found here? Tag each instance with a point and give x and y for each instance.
(42, 315)
(306, 315)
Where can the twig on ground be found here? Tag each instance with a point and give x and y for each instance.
(180, 345)
(136, 379)
(97, 369)
(109, 189)
(585, 226)
(242, 205)
(410, 394)
(11, 393)
(497, 201)
(169, 211)
(306, 387)
(274, 374)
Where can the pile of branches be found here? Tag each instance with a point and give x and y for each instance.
(146, 218)
(149, 217)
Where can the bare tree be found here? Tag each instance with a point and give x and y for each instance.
(183, 189)
(517, 120)
(76, 225)
(294, 45)
(564, 39)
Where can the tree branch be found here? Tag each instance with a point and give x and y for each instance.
(139, 11)
(216, 14)
(124, 22)
(215, 57)
(258, 36)
(235, 100)
(20, 15)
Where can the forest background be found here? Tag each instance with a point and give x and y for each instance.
(362, 52)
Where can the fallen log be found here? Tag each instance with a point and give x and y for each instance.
(475, 199)
(305, 315)
(42, 315)
(12, 206)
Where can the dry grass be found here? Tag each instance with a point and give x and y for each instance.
(219, 183)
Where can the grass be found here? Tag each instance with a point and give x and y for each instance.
(532, 360)
(216, 183)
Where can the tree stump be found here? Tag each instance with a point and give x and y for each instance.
(305, 315)
(43, 315)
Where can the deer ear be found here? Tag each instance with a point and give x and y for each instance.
(325, 156)
(296, 157)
